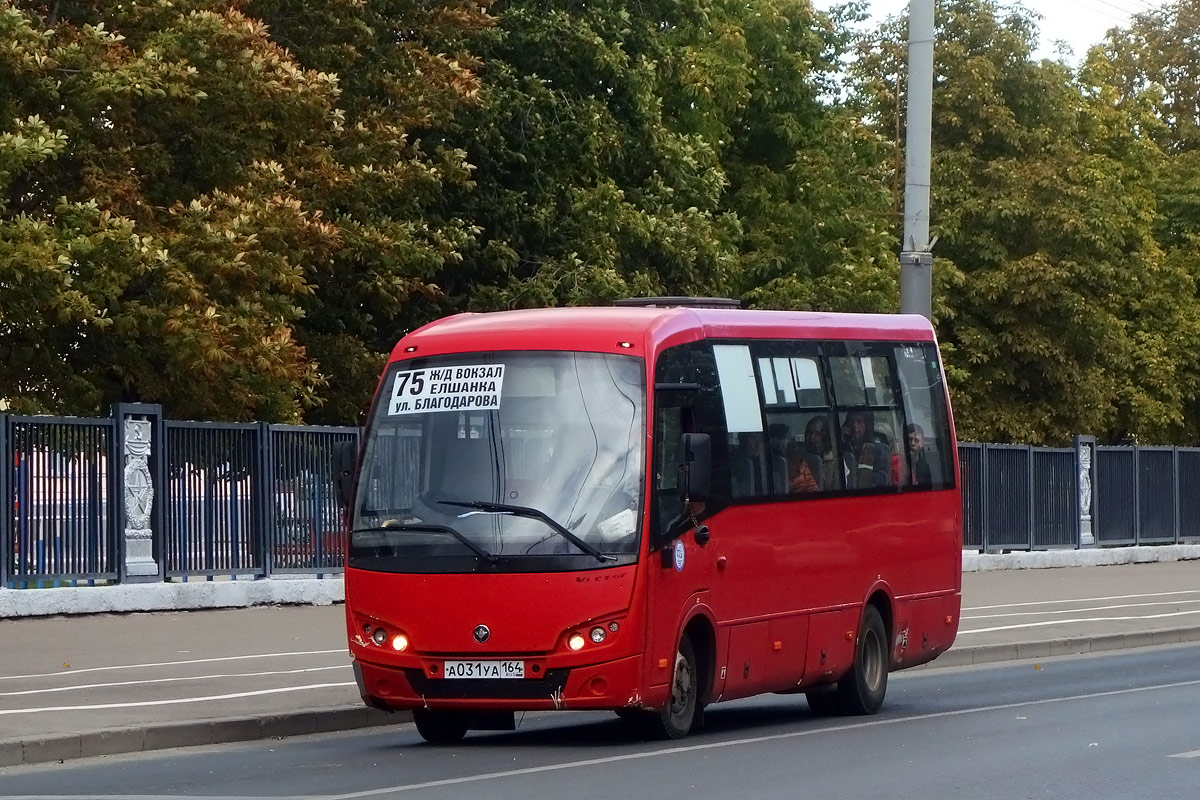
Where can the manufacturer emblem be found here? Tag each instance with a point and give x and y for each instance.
(482, 634)
(679, 555)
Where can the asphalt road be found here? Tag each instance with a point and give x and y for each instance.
(1102, 727)
(80, 686)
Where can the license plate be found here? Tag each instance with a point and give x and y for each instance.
(483, 669)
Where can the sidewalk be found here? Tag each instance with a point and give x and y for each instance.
(81, 686)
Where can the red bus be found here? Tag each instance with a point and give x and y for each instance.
(650, 508)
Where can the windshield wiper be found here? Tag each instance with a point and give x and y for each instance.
(531, 513)
(424, 527)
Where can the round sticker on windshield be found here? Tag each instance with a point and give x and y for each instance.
(679, 555)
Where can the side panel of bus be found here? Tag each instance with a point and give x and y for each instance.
(803, 533)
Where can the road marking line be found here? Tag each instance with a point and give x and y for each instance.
(1192, 754)
(177, 700)
(1083, 600)
(173, 680)
(1080, 610)
(685, 749)
(171, 663)
(1071, 621)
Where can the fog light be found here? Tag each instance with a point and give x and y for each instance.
(598, 635)
(575, 642)
(379, 636)
(399, 642)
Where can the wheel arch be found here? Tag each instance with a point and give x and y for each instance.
(700, 629)
(881, 598)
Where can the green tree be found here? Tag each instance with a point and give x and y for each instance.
(1152, 67)
(667, 148)
(1060, 313)
(809, 181)
(584, 191)
(141, 254)
(400, 72)
(194, 215)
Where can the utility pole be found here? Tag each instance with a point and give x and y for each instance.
(916, 257)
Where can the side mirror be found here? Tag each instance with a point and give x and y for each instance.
(695, 464)
(345, 459)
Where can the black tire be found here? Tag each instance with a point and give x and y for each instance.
(441, 727)
(825, 703)
(676, 719)
(861, 690)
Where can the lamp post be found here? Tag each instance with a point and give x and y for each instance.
(916, 256)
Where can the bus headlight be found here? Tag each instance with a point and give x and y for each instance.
(576, 642)
(400, 642)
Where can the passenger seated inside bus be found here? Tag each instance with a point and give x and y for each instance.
(919, 471)
(804, 467)
(866, 458)
(817, 452)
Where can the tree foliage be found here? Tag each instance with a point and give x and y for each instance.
(666, 148)
(400, 72)
(143, 252)
(1060, 312)
(201, 220)
(236, 207)
(1152, 69)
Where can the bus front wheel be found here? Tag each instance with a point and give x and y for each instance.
(676, 718)
(441, 727)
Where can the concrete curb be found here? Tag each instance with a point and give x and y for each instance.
(994, 653)
(191, 734)
(1094, 557)
(173, 596)
(243, 729)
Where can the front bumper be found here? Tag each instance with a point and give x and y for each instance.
(608, 685)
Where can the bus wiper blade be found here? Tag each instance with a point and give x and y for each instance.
(424, 527)
(532, 513)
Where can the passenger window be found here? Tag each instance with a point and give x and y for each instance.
(870, 415)
(738, 392)
(791, 382)
(800, 449)
(928, 457)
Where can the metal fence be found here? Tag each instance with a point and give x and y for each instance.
(223, 500)
(137, 497)
(1017, 497)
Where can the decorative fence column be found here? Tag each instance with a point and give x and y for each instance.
(139, 483)
(1085, 460)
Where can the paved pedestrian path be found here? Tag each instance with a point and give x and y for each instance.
(73, 686)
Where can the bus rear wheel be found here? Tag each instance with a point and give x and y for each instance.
(441, 727)
(676, 718)
(862, 689)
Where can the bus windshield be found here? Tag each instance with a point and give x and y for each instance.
(503, 460)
